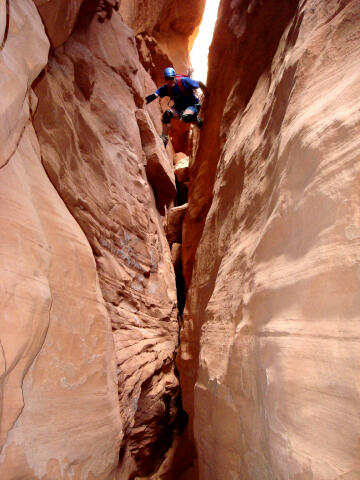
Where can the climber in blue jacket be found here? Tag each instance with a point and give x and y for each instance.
(186, 106)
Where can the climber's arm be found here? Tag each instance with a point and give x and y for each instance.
(151, 97)
(204, 89)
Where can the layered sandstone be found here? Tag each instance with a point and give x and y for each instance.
(57, 352)
(90, 330)
(87, 121)
(270, 347)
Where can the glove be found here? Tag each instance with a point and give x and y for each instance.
(150, 98)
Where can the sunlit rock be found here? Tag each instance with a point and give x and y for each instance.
(182, 168)
(57, 362)
(26, 40)
(174, 220)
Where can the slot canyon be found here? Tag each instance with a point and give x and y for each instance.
(188, 312)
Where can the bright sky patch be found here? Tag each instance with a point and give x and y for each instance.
(200, 51)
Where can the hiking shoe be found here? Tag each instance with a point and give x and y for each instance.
(165, 139)
(199, 122)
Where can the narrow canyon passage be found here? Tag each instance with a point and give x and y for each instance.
(188, 312)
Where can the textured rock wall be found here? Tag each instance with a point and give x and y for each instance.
(167, 27)
(89, 326)
(270, 346)
(90, 102)
(59, 406)
(165, 30)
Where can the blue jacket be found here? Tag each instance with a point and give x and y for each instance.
(181, 100)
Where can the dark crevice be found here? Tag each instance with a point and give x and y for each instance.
(180, 288)
(181, 193)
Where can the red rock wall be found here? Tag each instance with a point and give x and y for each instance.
(270, 347)
(165, 32)
(92, 152)
(89, 326)
(59, 18)
(57, 352)
(167, 26)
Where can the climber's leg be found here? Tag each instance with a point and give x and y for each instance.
(166, 120)
(190, 115)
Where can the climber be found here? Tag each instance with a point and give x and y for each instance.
(186, 105)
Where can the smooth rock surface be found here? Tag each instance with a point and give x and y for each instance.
(58, 385)
(59, 401)
(270, 349)
(176, 254)
(59, 17)
(23, 57)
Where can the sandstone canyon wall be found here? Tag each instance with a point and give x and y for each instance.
(270, 348)
(57, 352)
(89, 325)
(165, 31)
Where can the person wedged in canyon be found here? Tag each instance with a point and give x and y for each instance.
(186, 105)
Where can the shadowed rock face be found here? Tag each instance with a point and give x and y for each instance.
(270, 347)
(158, 169)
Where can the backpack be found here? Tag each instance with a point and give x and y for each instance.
(183, 89)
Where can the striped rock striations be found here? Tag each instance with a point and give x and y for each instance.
(270, 349)
(89, 326)
(94, 155)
